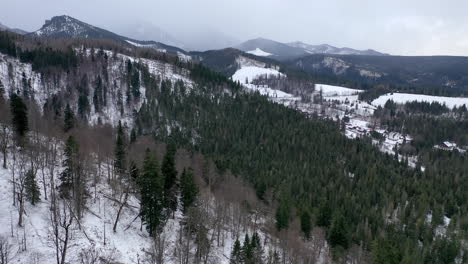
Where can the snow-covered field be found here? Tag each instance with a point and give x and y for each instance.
(249, 72)
(402, 98)
(259, 52)
(332, 90)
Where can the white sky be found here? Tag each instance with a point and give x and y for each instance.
(404, 27)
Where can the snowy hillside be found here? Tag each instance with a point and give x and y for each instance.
(331, 90)
(251, 70)
(402, 98)
(259, 52)
(16, 76)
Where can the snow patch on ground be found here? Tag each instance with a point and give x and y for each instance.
(259, 52)
(402, 98)
(332, 90)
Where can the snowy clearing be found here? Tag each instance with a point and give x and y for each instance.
(259, 52)
(331, 90)
(402, 98)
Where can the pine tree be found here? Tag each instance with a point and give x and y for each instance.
(236, 254)
(32, 189)
(282, 214)
(306, 225)
(324, 215)
(69, 119)
(19, 113)
(134, 171)
(120, 161)
(247, 250)
(338, 233)
(133, 136)
(151, 192)
(189, 189)
(257, 249)
(170, 176)
(68, 176)
(2, 90)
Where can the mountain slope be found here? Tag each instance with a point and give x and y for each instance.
(15, 30)
(278, 51)
(69, 27)
(287, 51)
(328, 49)
(438, 72)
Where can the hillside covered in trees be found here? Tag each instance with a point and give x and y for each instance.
(172, 143)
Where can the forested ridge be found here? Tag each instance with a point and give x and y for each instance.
(301, 167)
(305, 165)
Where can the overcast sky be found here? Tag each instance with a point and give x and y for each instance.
(404, 27)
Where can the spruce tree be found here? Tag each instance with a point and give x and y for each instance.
(189, 189)
(247, 250)
(306, 225)
(69, 119)
(67, 177)
(282, 214)
(32, 189)
(120, 153)
(170, 176)
(2, 90)
(133, 136)
(338, 233)
(151, 192)
(19, 113)
(257, 250)
(236, 254)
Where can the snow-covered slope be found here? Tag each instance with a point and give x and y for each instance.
(15, 75)
(331, 90)
(402, 98)
(259, 52)
(71, 28)
(329, 49)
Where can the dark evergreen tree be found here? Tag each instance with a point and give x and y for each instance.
(169, 173)
(133, 136)
(98, 100)
(324, 215)
(247, 250)
(32, 191)
(151, 194)
(306, 224)
(19, 112)
(257, 250)
(120, 161)
(2, 90)
(282, 214)
(71, 167)
(236, 254)
(69, 119)
(338, 234)
(188, 188)
(134, 171)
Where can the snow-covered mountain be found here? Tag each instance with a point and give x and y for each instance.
(275, 50)
(294, 50)
(328, 49)
(69, 27)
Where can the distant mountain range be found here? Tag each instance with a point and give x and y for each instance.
(16, 30)
(69, 27)
(288, 51)
(361, 66)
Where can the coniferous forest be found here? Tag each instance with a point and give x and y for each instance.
(301, 167)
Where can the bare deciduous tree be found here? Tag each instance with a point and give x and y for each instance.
(5, 250)
(61, 227)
